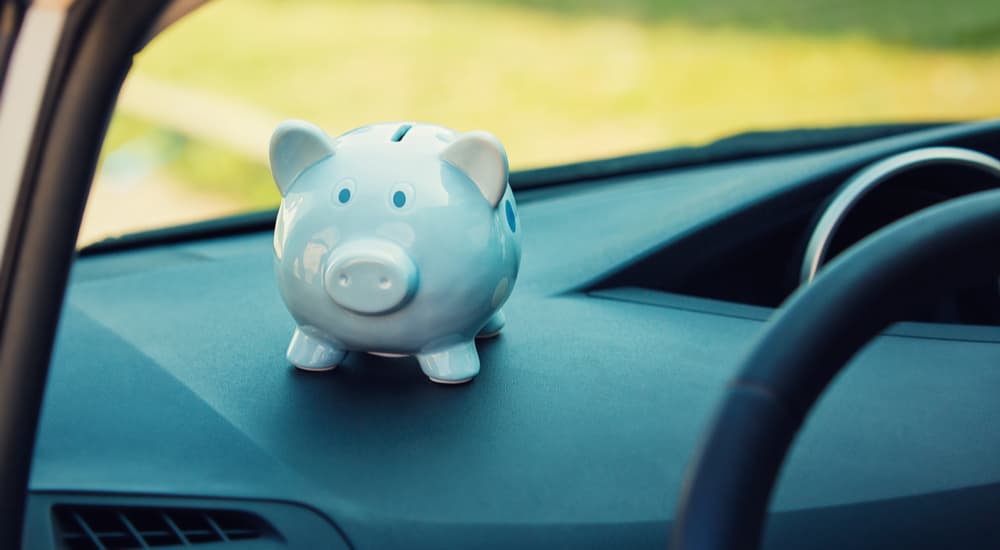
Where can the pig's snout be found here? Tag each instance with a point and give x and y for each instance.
(370, 276)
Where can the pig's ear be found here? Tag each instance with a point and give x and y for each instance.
(480, 156)
(295, 146)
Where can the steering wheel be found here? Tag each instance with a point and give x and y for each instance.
(874, 176)
(922, 257)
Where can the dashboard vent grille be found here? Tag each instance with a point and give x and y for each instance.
(109, 527)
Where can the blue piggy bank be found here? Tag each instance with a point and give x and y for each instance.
(393, 239)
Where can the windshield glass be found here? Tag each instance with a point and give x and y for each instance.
(557, 81)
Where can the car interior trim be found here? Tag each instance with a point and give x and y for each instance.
(31, 62)
(94, 54)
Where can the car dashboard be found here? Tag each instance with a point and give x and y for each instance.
(169, 395)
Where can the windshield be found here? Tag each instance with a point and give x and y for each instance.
(557, 81)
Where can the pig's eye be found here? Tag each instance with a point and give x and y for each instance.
(343, 192)
(400, 196)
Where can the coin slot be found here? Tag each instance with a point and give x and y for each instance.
(398, 136)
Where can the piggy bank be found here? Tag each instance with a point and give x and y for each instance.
(393, 239)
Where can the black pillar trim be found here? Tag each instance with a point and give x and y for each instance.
(95, 52)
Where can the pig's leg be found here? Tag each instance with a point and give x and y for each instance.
(493, 326)
(310, 353)
(452, 365)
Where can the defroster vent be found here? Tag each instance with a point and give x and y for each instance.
(108, 527)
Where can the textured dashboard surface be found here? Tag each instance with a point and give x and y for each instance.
(169, 379)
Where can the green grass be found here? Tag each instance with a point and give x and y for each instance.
(201, 166)
(562, 81)
(918, 23)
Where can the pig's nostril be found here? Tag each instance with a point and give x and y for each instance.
(345, 280)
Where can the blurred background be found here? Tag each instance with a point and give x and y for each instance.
(557, 81)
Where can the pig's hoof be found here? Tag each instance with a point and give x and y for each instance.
(453, 365)
(314, 369)
(493, 326)
(450, 382)
(312, 354)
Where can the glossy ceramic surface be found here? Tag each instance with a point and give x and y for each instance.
(395, 239)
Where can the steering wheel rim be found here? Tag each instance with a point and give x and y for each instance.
(870, 178)
(922, 257)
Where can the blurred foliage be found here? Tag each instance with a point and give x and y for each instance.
(921, 23)
(201, 166)
(567, 80)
